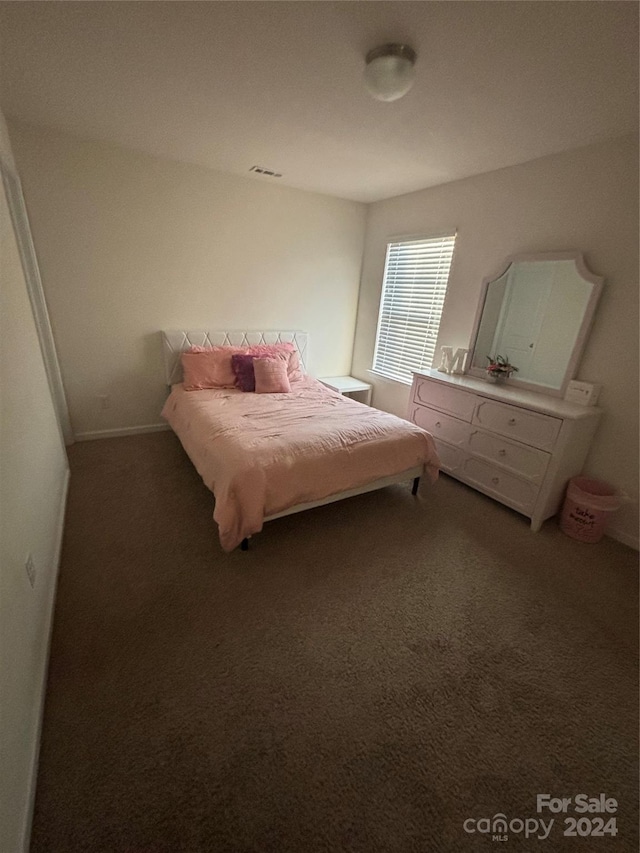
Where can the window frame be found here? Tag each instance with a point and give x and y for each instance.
(451, 233)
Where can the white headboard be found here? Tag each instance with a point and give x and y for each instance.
(177, 341)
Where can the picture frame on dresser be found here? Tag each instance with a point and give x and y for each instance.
(517, 446)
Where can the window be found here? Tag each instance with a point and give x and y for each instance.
(416, 274)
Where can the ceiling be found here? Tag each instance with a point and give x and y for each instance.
(230, 85)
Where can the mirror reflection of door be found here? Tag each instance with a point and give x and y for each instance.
(523, 311)
(532, 315)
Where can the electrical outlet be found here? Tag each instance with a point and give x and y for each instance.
(30, 568)
(105, 401)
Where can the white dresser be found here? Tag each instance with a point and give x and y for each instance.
(516, 446)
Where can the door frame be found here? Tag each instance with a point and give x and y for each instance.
(26, 248)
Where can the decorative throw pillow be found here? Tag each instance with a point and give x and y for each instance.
(209, 367)
(294, 369)
(271, 376)
(286, 351)
(243, 371)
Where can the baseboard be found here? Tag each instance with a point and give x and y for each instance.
(625, 538)
(40, 711)
(119, 431)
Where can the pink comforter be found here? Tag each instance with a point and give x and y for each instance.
(263, 453)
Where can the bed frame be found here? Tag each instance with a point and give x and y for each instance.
(412, 473)
(177, 341)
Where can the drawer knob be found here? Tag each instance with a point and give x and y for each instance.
(438, 424)
(502, 452)
(495, 480)
(512, 421)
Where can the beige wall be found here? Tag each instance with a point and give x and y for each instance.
(33, 478)
(585, 199)
(130, 244)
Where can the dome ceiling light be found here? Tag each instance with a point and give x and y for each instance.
(389, 71)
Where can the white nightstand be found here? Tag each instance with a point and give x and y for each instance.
(350, 387)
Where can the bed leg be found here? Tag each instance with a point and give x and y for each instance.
(244, 545)
(416, 483)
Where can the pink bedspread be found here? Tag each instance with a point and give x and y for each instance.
(263, 453)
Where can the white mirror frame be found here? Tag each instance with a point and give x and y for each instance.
(583, 333)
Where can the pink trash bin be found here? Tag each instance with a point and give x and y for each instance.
(587, 508)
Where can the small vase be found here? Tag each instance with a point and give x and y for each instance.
(496, 378)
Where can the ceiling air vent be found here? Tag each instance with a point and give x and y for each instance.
(260, 170)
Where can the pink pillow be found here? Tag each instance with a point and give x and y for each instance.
(286, 351)
(271, 376)
(243, 370)
(294, 369)
(209, 368)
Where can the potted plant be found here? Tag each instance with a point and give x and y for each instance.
(499, 368)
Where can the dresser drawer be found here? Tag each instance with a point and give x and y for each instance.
(529, 427)
(517, 493)
(451, 458)
(515, 446)
(459, 403)
(441, 426)
(528, 462)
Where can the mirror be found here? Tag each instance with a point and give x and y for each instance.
(536, 313)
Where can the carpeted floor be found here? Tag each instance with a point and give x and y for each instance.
(366, 678)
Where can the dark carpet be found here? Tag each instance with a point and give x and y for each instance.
(370, 675)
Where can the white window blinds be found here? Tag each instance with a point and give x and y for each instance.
(415, 282)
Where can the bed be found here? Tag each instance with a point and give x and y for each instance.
(268, 455)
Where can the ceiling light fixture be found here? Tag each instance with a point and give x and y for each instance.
(389, 71)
